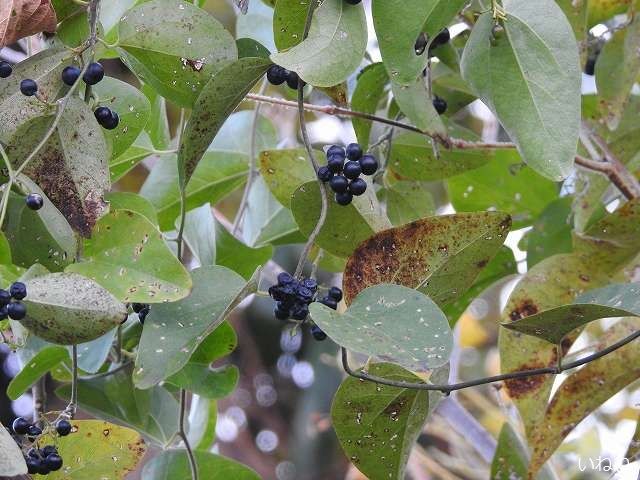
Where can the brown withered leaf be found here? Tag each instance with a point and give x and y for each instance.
(22, 18)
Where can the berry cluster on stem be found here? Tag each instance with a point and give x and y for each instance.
(277, 75)
(11, 305)
(28, 436)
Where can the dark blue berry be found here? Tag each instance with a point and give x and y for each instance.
(357, 187)
(5, 70)
(70, 75)
(318, 334)
(16, 310)
(34, 201)
(329, 302)
(28, 87)
(442, 38)
(344, 199)
(49, 450)
(137, 307)
(590, 66)
(324, 174)
(281, 313)
(335, 163)
(20, 426)
(293, 80)
(369, 164)
(18, 290)
(5, 297)
(277, 75)
(43, 469)
(310, 283)
(102, 114)
(53, 462)
(4, 313)
(354, 151)
(440, 105)
(421, 44)
(352, 169)
(63, 427)
(300, 312)
(336, 150)
(305, 294)
(33, 465)
(111, 122)
(335, 293)
(93, 74)
(142, 314)
(285, 278)
(339, 184)
(33, 453)
(34, 431)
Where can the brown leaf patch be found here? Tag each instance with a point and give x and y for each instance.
(22, 18)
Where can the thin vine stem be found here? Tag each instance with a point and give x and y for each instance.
(183, 435)
(183, 193)
(448, 388)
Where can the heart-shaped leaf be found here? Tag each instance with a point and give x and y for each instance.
(174, 464)
(128, 256)
(377, 425)
(440, 256)
(12, 461)
(337, 39)
(393, 323)
(529, 76)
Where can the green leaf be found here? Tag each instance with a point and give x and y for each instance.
(248, 47)
(578, 15)
(12, 461)
(5, 250)
(407, 202)
(202, 423)
(503, 184)
(89, 452)
(236, 256)
(158, 125)
(288, 23)
(392, 323)
(415, 102)
(174, 465)
(138, 151)
(439, 256)
(218, 174)
(530, 78)
(378, 425)
(337, 38)
(153, 412)
(511, 459)
(285, 170)
(131, 105)
(234, 132)
(175, 47)
(92, 355)
(67, 308)
(369, 91)
(200, 234)
(135, 203)
(344, 228)
(218, 99)
(128, 256)
(553, 325)
(167, 344)
(551, 232)
(212, 383)
(257, 25)
(38, 366)
(617, 69)
(412, 157)
(71, 168)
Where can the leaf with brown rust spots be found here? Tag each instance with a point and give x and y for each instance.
(555, 281)
(377, 425)
(98, 449)
(440, 256)
(71, 168)
(582, 393)
(22, 18)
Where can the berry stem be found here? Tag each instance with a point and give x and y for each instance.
(183, 193)
(70, 411)
(183, 435)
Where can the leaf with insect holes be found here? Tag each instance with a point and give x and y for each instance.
(440, 256)
(217, 101)
(173, 331)
(529, 76)
(337, 41)
(67, 308)
(128, 256)
(377, 425)
(11, 461)
(23, 18)
(393, 323)
(97, 449)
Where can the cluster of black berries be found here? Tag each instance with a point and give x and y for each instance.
(277, 75)
(142, 309)
(344, 178)
(293, 297)
(106, 117)
(441, 39)
(40, 460)
(331, 300)
(10, 304)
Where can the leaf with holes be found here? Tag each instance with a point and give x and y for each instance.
(218, 99)
(38, 366)
(377, 425)
(337, 39)
(393, 323)
(128, 256)
(440, 256)
(23, 18)
(12, 460)
(175, 47)
(369, 92)
(174, 464)
(173, 331)
(529, 76)
(98, 449)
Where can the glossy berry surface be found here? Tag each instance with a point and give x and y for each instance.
(18, 290)
(34, 201)
(16, 311)
(277, 75)
(335, 163)
(440, 105)
(102, 114)
(369, 164)
(5, 297)
(335, 293)
(344, 199)
(63, 427)
(20, 426)
(442, 38)
(112, 122)
(318, 334)
(293, 80)
(354, 151)
(70, 75)
(329, 302)
(421, 44)
(336, 150)
(34, 431)
(53, 462)
(292, 297)
(33, 466)
(28, 87)
(142, 314)
(49, 450)
(339, 184)
(324, 174)
(352, 169)
(94, 73)
(357, 187)
(5, 70)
